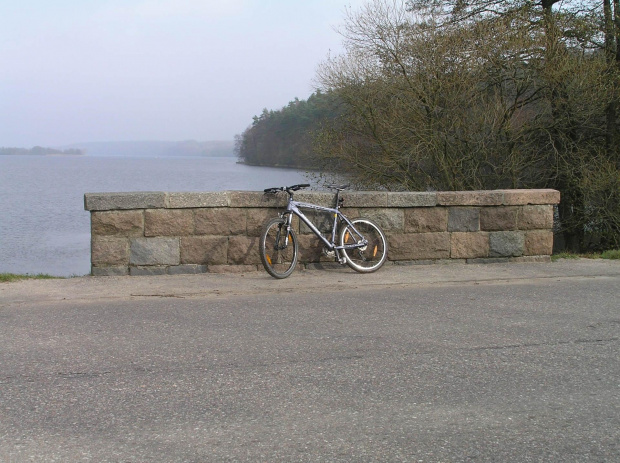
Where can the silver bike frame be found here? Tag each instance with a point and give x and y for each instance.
(293, 207)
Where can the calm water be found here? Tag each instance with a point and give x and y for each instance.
(44, 227)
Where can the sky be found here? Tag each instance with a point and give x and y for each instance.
(124, 70)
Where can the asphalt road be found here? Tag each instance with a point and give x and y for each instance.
(458, 363)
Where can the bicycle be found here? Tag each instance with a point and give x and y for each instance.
(362, 244)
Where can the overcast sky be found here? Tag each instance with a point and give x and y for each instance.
(118, 70)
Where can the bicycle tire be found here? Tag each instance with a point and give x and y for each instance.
(278, 259)
(371, 257)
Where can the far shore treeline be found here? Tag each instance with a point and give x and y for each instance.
(40, 151)
(144, 148)
(453, 95)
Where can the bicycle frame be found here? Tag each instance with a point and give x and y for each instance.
(294, 207)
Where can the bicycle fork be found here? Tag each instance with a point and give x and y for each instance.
(286, 227)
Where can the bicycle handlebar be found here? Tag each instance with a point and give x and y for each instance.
(286, 188)
(276, 189)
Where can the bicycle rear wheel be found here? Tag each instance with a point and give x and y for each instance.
(278, 252)
(370, 257)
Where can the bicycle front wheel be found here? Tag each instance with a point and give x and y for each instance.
(278, 250)
(370, 257)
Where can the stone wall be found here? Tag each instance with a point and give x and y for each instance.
(170, 233)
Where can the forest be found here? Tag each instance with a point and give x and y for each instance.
(465, 95)
(285, 137)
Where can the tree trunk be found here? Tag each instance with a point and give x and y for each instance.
(610, 58)
(616, 82)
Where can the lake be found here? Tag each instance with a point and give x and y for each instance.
(44, 227)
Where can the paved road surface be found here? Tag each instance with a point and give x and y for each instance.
(455, 363)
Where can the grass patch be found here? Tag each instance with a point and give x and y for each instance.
(610, 254)
(8, 277)
(564, 255)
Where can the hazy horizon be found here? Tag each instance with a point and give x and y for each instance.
(141, 148)
(156, 70)
(84, 144)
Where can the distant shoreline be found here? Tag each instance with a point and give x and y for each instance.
(40, 151)
(42, 154)
(131, 148)
(155, 148)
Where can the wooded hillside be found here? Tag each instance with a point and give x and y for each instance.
(286, 137)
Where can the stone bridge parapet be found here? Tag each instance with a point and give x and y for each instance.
(146, 233)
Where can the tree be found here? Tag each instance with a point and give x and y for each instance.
(479, 94)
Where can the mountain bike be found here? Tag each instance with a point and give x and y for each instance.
(361, 243)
